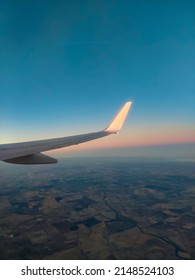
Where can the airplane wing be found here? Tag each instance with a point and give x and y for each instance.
(30, 152)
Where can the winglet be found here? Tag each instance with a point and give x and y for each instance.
(118, 121)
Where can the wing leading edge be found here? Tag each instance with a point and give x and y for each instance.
(30, 152)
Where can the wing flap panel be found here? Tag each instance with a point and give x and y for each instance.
(32, 159)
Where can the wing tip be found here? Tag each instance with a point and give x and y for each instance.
(119, 119)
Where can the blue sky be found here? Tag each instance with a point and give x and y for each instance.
(68, 66)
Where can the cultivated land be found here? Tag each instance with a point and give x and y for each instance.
(98, 209)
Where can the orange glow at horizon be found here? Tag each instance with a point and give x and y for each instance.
(136, 137)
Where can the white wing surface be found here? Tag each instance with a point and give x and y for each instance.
(30, 152)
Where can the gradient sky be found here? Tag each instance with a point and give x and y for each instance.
(66, 67)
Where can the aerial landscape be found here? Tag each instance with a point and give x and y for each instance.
(98, 208)
(66, 67)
